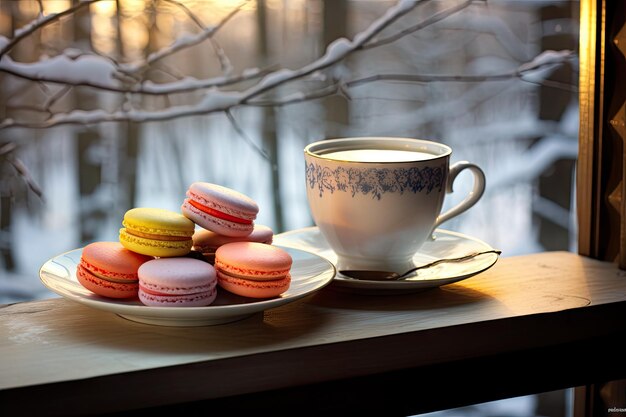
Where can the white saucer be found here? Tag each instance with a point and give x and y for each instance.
(446, 244)
(309, 273)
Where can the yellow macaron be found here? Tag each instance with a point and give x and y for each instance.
(156, 232)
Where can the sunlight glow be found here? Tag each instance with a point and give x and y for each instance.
(134, 28)
(104, 8)
(103, 30)
(55, 6)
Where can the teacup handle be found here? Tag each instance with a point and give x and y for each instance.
(473, 196)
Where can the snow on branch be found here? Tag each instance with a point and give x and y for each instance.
(104, 74)
(39, 23)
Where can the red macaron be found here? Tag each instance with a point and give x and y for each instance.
(110, 270)
(251, 269)
(220, 209)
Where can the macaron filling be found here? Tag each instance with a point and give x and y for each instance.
(155, 236)
(235, 272)
(188, 291)
(219, 214)
(99, 273)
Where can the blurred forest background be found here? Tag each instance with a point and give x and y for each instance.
(520, 128)
(65, 185)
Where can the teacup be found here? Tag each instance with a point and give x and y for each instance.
(377, 200)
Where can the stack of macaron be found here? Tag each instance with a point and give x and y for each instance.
(246, 263)
(166, 258)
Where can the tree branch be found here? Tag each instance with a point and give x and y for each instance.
(6, 151)
(35, 72)
(245, 137)
(218, 101)
(335, 52)
(421, 25)
(215, 100)
(39, 23)
(219, 51)
(189, 13)
(180, 44)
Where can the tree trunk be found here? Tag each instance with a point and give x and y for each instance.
(89, 173)
(6, 237)
(268, 122)
(335, 26)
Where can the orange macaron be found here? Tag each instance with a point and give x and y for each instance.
(252, 269)
(110, 270)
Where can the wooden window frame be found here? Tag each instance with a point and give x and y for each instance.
(601, 177)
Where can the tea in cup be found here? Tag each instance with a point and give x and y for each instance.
(376, 200)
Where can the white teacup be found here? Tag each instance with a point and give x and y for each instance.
(377, 200)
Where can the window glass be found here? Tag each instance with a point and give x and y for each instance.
(494, 80)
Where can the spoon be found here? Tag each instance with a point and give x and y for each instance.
(395, 276)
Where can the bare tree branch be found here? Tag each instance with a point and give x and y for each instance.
(56, 97)
(39, 23)
(337, 87)
(336, 51)
(188, 12)
(219, 51)
(40, 5)
(420, 78)
(421, 25)
(180, 44)
(6, 151)
(225, 64)
(179, 86)
(247, 138)
(215, 100)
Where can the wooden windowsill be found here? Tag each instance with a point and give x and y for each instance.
(467, 342)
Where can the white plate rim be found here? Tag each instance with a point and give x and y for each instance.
(206, 314)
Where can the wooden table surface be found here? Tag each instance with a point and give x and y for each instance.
(328, 347)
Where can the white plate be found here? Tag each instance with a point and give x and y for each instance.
(309, 273)
(446, 244)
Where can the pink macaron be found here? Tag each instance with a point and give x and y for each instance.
(110, 270)
(252, 269)
(220, 209)
(177, 282)
(207, 242)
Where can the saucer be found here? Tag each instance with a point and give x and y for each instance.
(446, 244)
(309, 273)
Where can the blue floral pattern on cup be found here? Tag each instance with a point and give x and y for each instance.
(374, 181)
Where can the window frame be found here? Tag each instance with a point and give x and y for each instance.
(600, 168)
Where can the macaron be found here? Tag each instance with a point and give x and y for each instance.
(252, 269)
(177, 282)
(110, 270)
(157, 232)
(207, 242)
(220, 209)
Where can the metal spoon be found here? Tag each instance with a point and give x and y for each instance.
(395, 276)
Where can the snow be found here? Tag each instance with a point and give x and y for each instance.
(250, 72)
(394, 12)
(41, 19)
(183, 41)
(84, 69)
(546, 58)
(275, 78)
